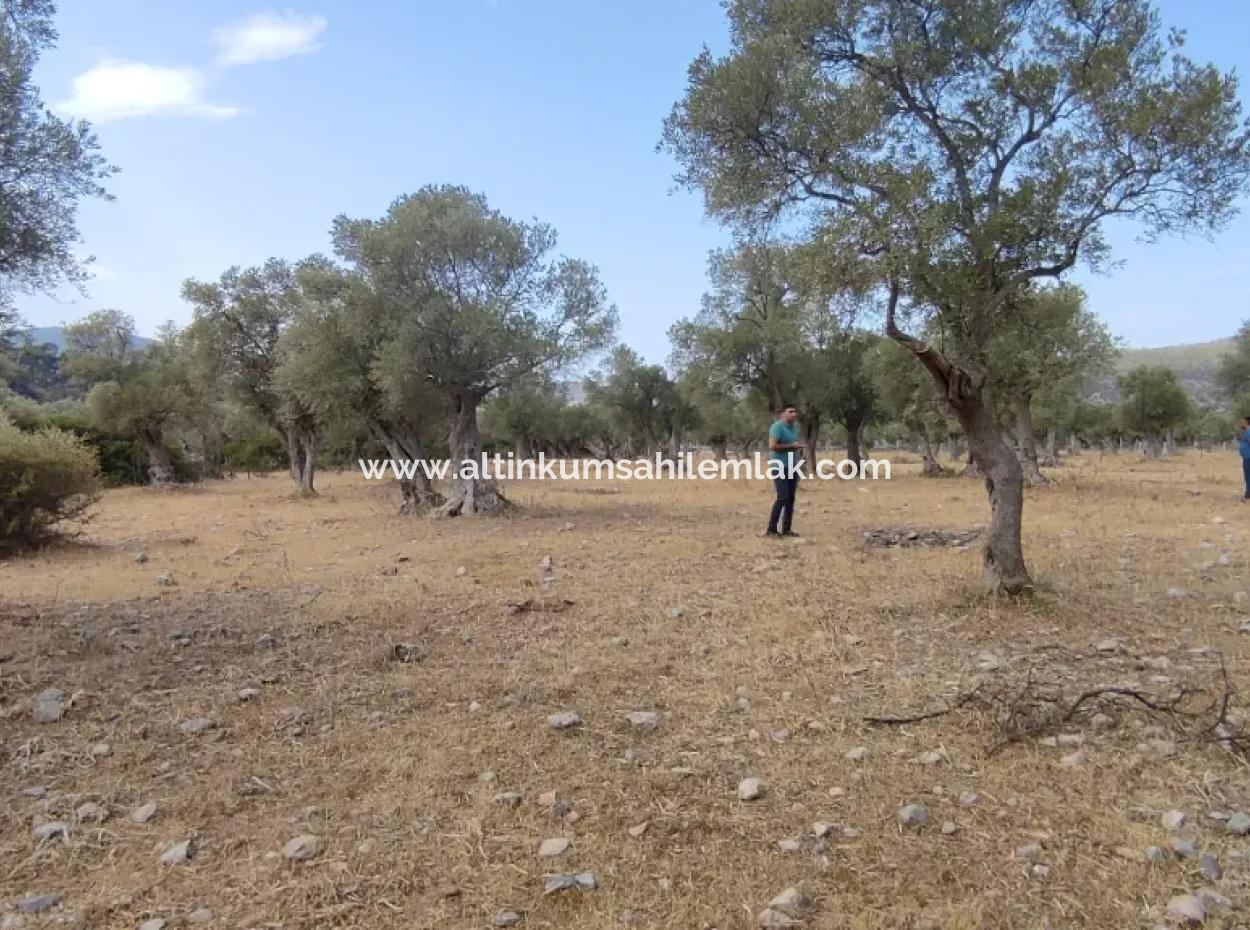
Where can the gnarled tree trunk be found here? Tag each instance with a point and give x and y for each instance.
(1027, 441)
(1050, 452)
(1003, 569)
(854, 445)
(417, 494)
(308, 462)
(160, 466)
(1152, 446)
(470, 493)
(929, 467)
(811, 438)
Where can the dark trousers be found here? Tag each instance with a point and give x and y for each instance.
(783, 506)
(1245, 471)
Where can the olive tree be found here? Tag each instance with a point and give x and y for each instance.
(238, 321)
(1152, 402)
(1050, 339)
(481, 302)
(955, 152)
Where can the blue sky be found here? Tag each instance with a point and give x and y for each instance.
(242, 129)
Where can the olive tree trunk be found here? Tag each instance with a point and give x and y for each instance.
(1152, 446)
(1003, 569)
(160, 466)
(1026, 439)
(417, 494)
(811, 438)
(470, 493)
(1050, 452)
(929, 467)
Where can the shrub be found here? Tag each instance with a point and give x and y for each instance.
(46, 478)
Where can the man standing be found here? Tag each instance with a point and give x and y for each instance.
(784, 445)
(1243, 446)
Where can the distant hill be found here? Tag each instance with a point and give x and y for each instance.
(56, 335)
(1195, 365)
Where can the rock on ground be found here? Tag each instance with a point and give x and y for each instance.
(913, 815)
(179, 854)
(750, 789)
(565, 721)
(144, 812)
(304, 846)
(37, 904)
(49, 706)
(1187, 909)
(554, 847)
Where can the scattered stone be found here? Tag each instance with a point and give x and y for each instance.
(565, 721)
(581, 881)
(1069, 739)
(1187, 909)
(266, 641)
(1030, 851)
(293, 719)
(1209, 867)
(196, 725)
(507, 799)
(779, 736)
(247, 694)
(35, 791)
(821, 829)
(141, 558)
(49, 706)
(858, 754)
(906, 536)
(1173, 820)
(792, 903)
(474, 707)
(1238, 824)
(1108, 645)
(620, 641)
(165, 580)
(408, 653)
(675, 613)
(1178, 594)
(989, 662)
(950, 828)
(638, 830)
(1040, 870)
(644, 719)
(1074, 759)
(789, 845)
(52, 830)
(144, 812)
(461, 571)
(1213, 900)
(93, 812)
(969, 799)
(305, 846)
(554, 848)
(200, 916)
(156, 923)
(1185, 849)
(99, 750)
(37, 904)
(913, 815)
(179, 854)
(549, 799)
(929, 758)
(507, 919)
(1155, 854)
(750, 789)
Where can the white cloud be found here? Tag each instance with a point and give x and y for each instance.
(267, 37)
(116, 90)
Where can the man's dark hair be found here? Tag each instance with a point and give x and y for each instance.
(784, 407)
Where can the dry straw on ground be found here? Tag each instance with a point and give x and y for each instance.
(365, 691)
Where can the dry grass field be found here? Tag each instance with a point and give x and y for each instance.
(762, 658)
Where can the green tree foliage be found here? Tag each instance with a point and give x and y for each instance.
(47, 165)
(483, 305)
(1051, 342)
(335, 362)
(48, 478)
(1233, 375)
(145, 398)
(238, 322)
(99, 347)
(1152, 402)
(954, 153)
(641, 402)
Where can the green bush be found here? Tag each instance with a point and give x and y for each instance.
(46, 478)
(254, 454)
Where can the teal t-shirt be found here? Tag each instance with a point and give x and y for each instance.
(784, 433)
